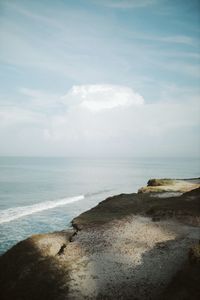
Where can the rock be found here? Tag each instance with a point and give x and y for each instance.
(161, 182)
(170, 185)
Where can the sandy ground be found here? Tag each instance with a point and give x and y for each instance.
(128, 259)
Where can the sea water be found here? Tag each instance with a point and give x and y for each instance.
(39, 195)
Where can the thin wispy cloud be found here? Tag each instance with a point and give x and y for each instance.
(114, 74)
(125, 4)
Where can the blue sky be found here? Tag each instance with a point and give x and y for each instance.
(91, 77)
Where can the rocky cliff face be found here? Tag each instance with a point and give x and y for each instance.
(135, 246)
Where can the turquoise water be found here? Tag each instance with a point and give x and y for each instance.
(44, 194)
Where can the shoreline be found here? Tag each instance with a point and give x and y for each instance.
(129, 244)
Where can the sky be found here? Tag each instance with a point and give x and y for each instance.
(100, 78)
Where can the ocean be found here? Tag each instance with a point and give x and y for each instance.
(39, 195)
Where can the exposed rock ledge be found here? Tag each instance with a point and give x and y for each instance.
(178, 186)
(133, 246)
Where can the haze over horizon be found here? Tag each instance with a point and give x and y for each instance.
(100, 78)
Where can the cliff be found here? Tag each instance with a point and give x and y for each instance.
(130, 246)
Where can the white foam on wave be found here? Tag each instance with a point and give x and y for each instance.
(11, 214)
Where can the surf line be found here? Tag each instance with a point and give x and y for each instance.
(11, 214)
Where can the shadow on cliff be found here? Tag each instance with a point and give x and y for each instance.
(157, 277)
(27, 273)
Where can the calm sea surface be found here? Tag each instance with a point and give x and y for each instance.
(44, 194)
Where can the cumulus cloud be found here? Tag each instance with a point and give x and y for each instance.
(102, 119)
(110, 119)
(99, 97)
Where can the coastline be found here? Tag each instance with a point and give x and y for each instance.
(130, 245)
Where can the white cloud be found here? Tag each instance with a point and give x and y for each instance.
(99, 97)
(106, 119)
(103, 119)
(149, 129)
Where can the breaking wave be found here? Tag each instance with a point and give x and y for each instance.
(11, 214)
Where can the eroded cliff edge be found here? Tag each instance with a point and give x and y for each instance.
(130, 246)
